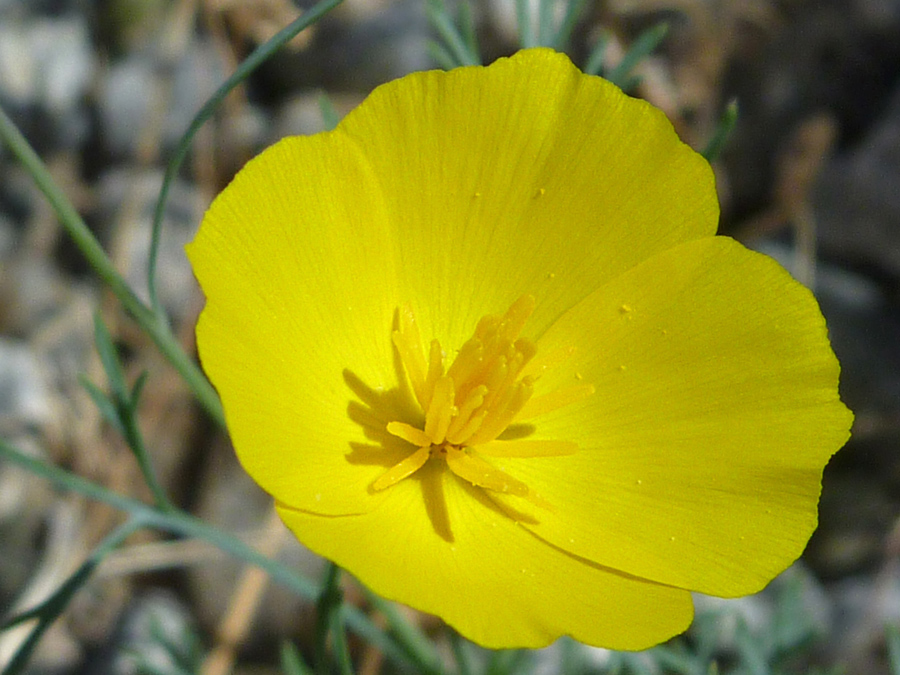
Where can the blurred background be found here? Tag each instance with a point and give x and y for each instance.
(104, 89)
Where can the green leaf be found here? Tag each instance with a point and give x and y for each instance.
(109, 357)
(329, 603)
(892, 638)
(469, 35)
(291, 661)
(138, 388)
(510, 662)
(330, 116)
(461, 654)
(546, 29)
(454, 42)
(414, 643)
(108, 410)
(752, 653)
(594, 63)
(441, 55)
(723, 132)
(527, 37)
(642, 47)
(567, 26)
(51, 608)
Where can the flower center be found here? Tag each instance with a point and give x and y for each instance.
(470, 404)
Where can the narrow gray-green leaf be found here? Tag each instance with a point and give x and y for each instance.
(723, 132)
(642, 47)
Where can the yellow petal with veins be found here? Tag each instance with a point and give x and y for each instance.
(483, 573)
(527, 448)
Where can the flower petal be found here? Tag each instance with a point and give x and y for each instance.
(453, 192)
(295, 260)
(715, 411)
(484, 574)
(525, 176)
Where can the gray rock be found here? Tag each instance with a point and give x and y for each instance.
(156, 634)
(24, 501)
(8, 238)
(229, 498)
(23, 391)
(48, 64)
(124, 101)
(856, 200)
(133, 194)
(832, 56)
(142, 89)
(865, 604)
(197, 74)
(356, 50)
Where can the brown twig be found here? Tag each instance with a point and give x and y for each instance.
(244, 603)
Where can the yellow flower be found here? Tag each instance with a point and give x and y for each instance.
(483, 347)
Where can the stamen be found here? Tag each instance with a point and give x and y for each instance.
(409, 433)
(468, 361)
(480, 473)
(465, 432)
(500, 416)
(409, 347)
(403, 469)
(510, 324)
(472, 402)
(468, 405)
(441, 411)
(435, 372)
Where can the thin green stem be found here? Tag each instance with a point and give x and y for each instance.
(595, 61)
(291, 661)
(339, 645)
(526, 28)
(248, 65)
(507, 661)
(469, 34)
(441, 55)
(70, 219)
(546, 29)
(120, 408)
(69, 481)
(642, 47)
(723, 132)
(75, 227)
(456, 44)
(567, 26)
(135, 441)
(330, 600)
(181, 523)
(461, 654)
(417, 647)
(48, 611)
(892, 639)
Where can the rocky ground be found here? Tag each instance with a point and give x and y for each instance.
(104, 88)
